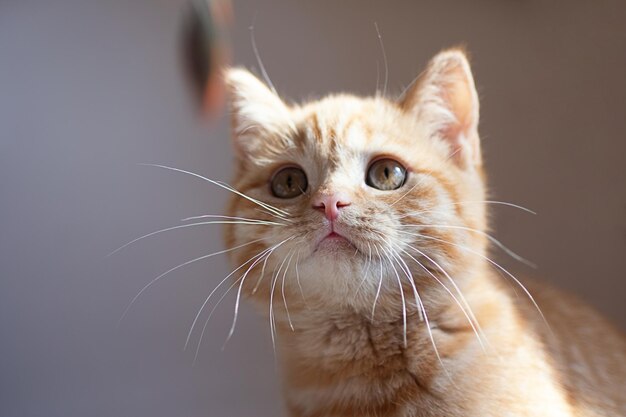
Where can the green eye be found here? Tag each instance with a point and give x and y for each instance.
(289, 182)
(386, 175)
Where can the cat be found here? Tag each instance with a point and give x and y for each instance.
(367, 248)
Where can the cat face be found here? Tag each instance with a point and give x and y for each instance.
(355, 199)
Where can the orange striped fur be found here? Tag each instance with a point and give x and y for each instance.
(351, 335)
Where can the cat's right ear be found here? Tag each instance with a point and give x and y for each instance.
(259, 116)
(445, 102)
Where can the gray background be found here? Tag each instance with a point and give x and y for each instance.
(90, 88)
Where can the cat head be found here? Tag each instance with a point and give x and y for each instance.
(351, 199)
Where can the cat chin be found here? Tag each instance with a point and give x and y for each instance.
(333, 270)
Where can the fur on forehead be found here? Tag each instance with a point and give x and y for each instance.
(437, 116)
(335, 126)
(345, 125)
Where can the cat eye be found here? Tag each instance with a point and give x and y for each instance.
(386, 175)
(289, 182)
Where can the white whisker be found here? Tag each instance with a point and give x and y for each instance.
(298, 278)
(174, 269)
(380, 282)
(367, 268)
(480, 232)
(474, 321)
(263, 204)
(458, 203)
(282, 290)
(495, 264)
(182, 226)
(219, 216)
(236, 313)
(407, 272)
(423, 315)
(256, 287)
(272, 317)
(401, 296)
(272, 214)
(263, 254)
(456, 300)
(258, 58)
(208, 319)
(225, 186)
(260, 254)
(382, 48)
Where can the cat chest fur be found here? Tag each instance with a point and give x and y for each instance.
(353, 366)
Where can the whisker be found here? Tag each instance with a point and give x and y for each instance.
(282, 290)
(182, 226)
(263, 255)
(502, 203)
(407, 272)
(487, 235)
(401, 296)
(272, 214)
(298, 278)
(377, 75)
(474, 321)
(256, 287)
(272, 317)
(258, 58)
(219, 216)
(423, 315)
(457, 203)
(217, 304)
(148, 285)
(495, 264)
(456, 300)
(254, 200)
(382, 48)
(236, 313)
(225, 186)
(208, 319)
(193, 324)
(367, 268)
(380, 282)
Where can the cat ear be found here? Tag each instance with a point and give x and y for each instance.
(259, 117)
(444, 99)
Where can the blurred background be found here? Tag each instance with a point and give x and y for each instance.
(88, 89)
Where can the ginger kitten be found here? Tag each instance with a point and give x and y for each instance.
(373, 269)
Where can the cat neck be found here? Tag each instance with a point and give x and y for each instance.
(346, 357)
(346, 334)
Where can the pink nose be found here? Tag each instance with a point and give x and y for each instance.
(330, 204)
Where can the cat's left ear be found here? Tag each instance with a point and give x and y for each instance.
(260, 119)
(445, 101)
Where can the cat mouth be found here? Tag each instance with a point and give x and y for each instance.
(334, 241)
